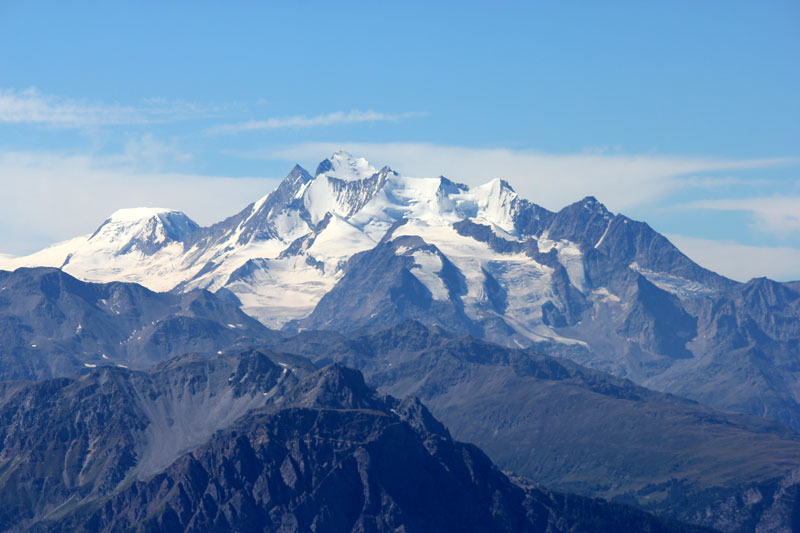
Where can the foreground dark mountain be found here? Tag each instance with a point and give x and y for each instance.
(52, 324)
(308, 451)
(70, 439)
(579, 430)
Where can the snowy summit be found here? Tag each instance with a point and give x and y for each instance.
(344, 166)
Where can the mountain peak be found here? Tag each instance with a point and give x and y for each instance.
(136, 214)
(345, 167)
(335, 386)
(593, 204)
(143, 228)
(298, 172)
(174, 225)
(498, 185)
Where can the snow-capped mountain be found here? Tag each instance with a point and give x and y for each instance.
(514, 263)
(353, 246)
(131, 245)
(282, 253)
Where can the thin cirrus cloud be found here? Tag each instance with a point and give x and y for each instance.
(552, 180)
(304, 121)
(777, 215)
(31, 106)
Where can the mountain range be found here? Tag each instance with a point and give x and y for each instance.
(577, 348)
(377, 248)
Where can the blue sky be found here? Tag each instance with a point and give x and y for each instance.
(683, 114)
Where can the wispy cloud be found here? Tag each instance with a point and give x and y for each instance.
(148, 153)
(741, 262)
(553, 180)
(709, 182)
(778, 215)
(304, 121)
(30, 106)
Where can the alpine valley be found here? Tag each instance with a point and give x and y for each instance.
(242, 376)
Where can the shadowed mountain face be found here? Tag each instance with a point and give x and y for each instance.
(52, 324)
(579, 430)
(299, 450)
